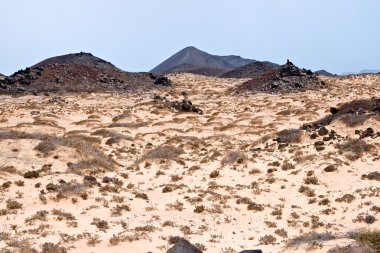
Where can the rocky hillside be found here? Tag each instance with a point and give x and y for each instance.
(198, 70)
(77, 73)
(196, 57)
(250, 70)
(287, 78)
(78, 58)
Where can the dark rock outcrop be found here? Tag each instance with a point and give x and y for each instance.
(353, 113)
(286, 78)
(183, 246)
(185, 105)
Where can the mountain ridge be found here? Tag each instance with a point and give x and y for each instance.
(193, 56)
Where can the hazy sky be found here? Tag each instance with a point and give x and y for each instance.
(136, 35)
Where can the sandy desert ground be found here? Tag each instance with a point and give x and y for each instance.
(126, 173)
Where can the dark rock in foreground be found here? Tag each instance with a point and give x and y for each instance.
(185, 106)
(183, 246)
(353, 113)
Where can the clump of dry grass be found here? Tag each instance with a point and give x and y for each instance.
(87, 146)
(310, 239)
(49, 247)
(354, 119)
(355, 148)
(348, 198)
(13, 204)
(233, 157)
(268, 239)
(289, 136)
(118, 209)
(163, 153)
(39, 215)
(102, 225)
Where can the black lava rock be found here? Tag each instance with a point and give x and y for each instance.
(183, 246)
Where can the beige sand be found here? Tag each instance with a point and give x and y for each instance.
(229, 123)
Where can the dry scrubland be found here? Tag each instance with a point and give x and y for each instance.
(127, 173)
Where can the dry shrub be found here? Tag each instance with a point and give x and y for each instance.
(268, 239)
(163, 153)
(84, 145)
(289, 136)
(49, 247)
(370, 238)
(233, 157)
(310, 239)
(13, 205)
(353, 119)
(355, 148)
(352, 248)
(348, 198)
(8, 169)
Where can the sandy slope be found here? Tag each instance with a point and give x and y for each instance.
(230, 128)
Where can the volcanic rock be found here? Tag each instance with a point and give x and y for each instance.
(352, 113)
(286, 78)
(78, 73)
(183, 246)
(250, 70)
(185, 106)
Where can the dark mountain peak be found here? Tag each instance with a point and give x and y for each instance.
(323, 72)
(81, 58)
(194, 56)
(191, 48)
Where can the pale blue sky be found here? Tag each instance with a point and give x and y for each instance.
(136, 35)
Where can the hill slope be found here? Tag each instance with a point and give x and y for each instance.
(194, 56)
(77, 73)
(286, 78)
(77, 58)
(198, 70)
(250, 70)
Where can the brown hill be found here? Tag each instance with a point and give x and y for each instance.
(250, 70)
(78, 73)
(78, 58)
(198, 70)
(286, 78)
